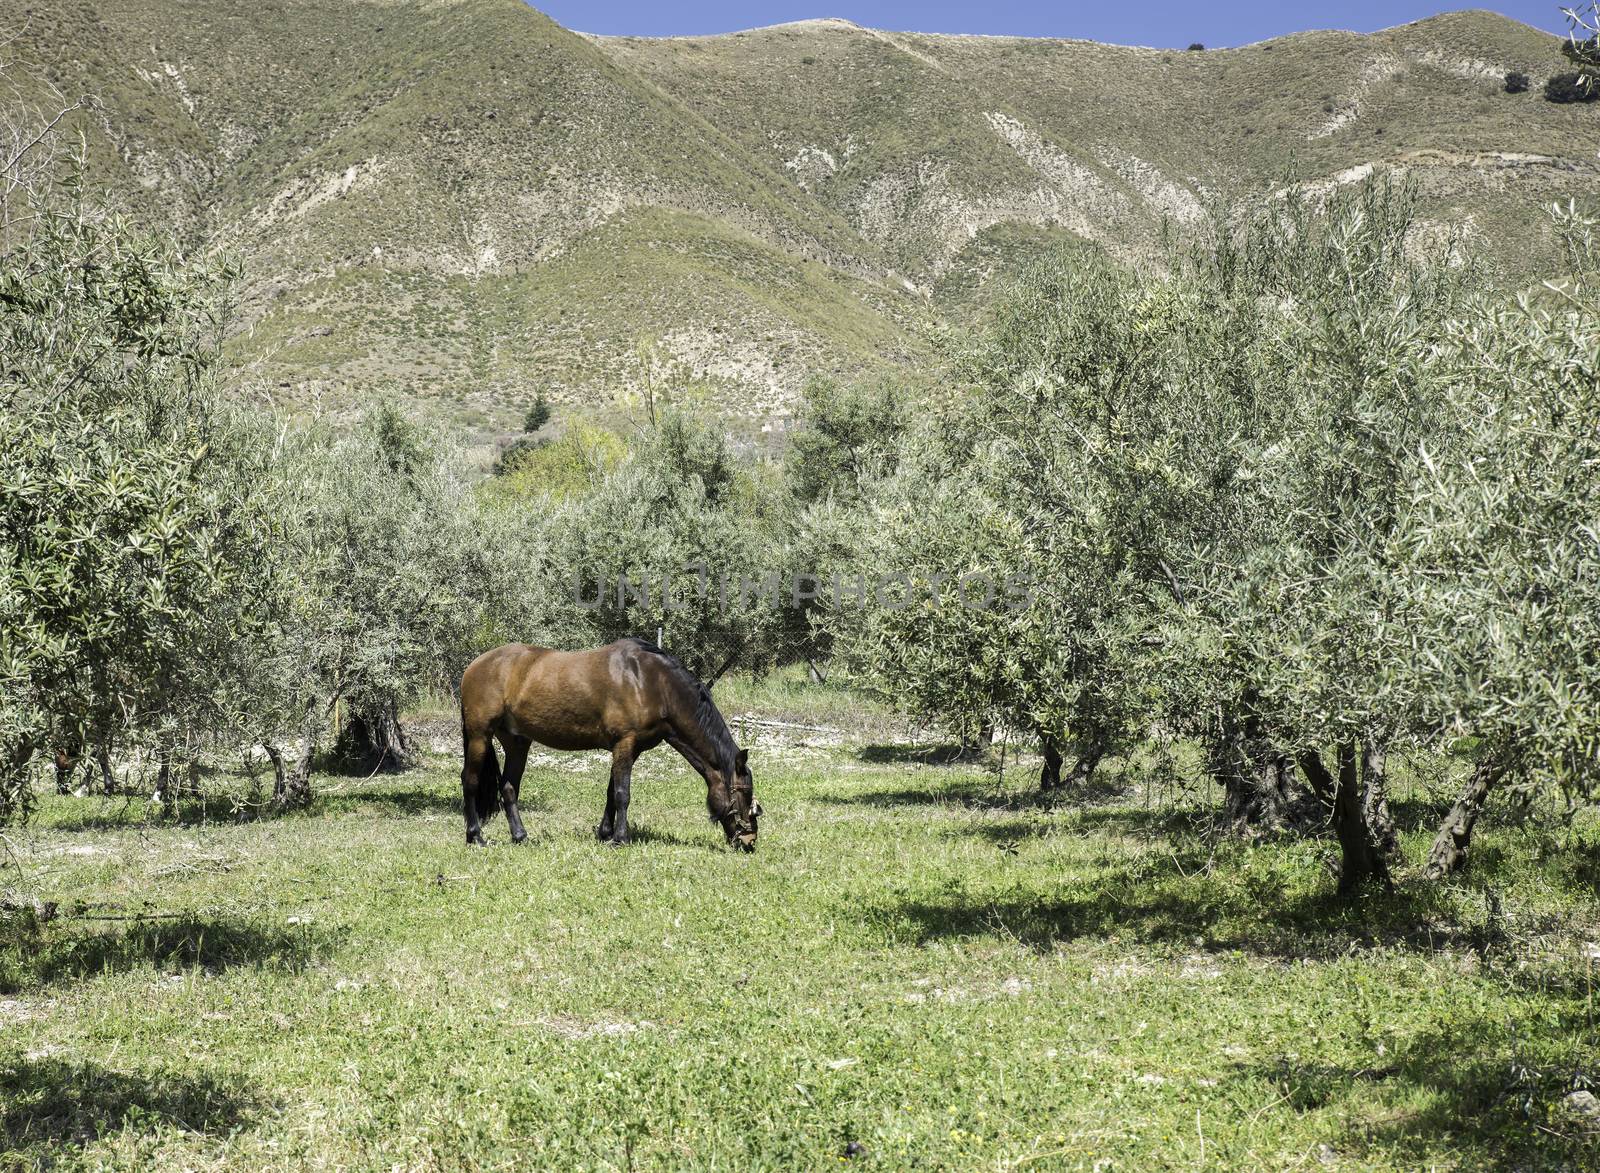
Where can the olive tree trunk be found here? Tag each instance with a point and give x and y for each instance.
(1090, 751)
(1050, 773)
(1449, 851)
(373, 740)
(291, 788)
(1375, 798)
(1257, 779)
(1341, 793)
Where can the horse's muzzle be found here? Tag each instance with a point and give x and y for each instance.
(745, 842)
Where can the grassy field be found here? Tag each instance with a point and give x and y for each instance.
(920, 967)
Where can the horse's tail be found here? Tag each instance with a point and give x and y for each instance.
(488, 797)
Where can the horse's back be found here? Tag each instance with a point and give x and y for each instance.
(566, 700)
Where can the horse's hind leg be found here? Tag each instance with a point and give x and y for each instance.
(603, 831)
(511, 782)
(622, 756)
(475, 751)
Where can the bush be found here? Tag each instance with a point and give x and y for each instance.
(517, 455)
(537, 415)
(1197, 47)
(1567, 88)
(1517, 83)
(850, 437)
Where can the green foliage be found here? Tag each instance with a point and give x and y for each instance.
(570, 465)
(1312, 485)
(537, 415)
(1517, 82)
(850, 438)
(687, 528)
(1502, 534)
(399, 585)
(133, 512)
(516, 455)
(1570, 87)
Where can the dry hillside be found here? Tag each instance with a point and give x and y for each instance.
(461, 201)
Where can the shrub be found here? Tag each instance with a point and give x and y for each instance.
(537, 415)
(1566, 88)
(516, 455)
(850, 438)
(1197, 47)
(1517, 83)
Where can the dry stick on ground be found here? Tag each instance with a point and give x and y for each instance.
(749, 719)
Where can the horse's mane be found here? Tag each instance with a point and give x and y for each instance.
(706, 714)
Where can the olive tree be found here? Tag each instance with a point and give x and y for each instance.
(678, 538)
(401, 576)
(131, 501)
(1503, 547)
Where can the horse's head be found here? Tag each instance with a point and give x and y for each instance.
(740, 814)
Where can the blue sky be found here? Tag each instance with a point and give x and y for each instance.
(1130, 22)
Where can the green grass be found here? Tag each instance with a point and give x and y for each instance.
(917, 960)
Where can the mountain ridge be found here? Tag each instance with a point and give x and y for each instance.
(463, 203)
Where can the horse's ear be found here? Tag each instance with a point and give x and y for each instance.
(741, 758)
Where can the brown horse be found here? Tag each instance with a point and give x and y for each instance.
(627, 697)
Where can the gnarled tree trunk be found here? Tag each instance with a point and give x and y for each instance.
(1089, 755)
(373, 740)
(1050, 774)
(1449, 851)
(1257, 779)
(1375, 798)
(1341, 792)
(291, 788)
(1089, 750)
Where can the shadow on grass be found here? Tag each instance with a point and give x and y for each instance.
(122, 811)
(47, 1102)
(1491, 1089)
(340, 798)
(71, 949)
(1189, 898)
(400, 802)
(710, 840)
(984, 794)
(931, 754)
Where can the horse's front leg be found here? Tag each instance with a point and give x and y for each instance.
(622, 757)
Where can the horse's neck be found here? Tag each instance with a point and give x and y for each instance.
(695, 736)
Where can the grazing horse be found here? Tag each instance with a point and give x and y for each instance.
(627, 697)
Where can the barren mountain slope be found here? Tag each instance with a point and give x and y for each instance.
(461, 202)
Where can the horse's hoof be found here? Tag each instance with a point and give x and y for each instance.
(602, 833)
(609, 842)
(475, 841)
(517, 840)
